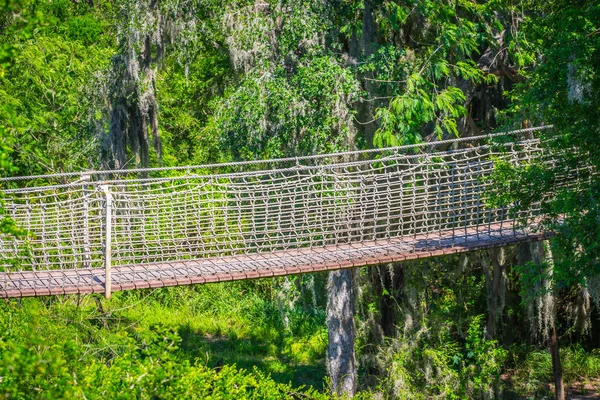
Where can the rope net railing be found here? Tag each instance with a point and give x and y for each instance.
(355, 200)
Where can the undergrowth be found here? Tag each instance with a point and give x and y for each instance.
(232, 341)
(219, 341)
(532, 374)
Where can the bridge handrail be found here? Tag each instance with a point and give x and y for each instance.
(275, 160)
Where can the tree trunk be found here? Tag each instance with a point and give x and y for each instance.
(539, 252)
(361, 47)
(494, 293)
(341, 359)
(115, 151)
(556, 366)
(155, 132)
(388, 281)
(546, 253)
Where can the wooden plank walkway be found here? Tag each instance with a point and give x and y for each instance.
(262, 265)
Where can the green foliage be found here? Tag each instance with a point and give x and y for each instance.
(154, 372)
(48, 86)
(184, 95)
(533, 369)
(47, 116)
(445, 368)
(439, 349)
(250, 80)
(409, 112)
(530, 277)
(423, 76)
(560, 40)
(18, 21)
(84, 28)
(276, 113)
(484, 360)
(523, 184)
(160, 344)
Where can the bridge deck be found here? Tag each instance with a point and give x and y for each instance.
(258, 265)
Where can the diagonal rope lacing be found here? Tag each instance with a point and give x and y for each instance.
(431, 191)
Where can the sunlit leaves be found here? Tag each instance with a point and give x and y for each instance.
(276, 113)
(425, 86)
(409, 112)
(47, 108)
(395, 16)
(559, 43)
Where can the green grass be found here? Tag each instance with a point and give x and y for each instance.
(223, 324)
(230, 324)
(61, 346)
(532, 374)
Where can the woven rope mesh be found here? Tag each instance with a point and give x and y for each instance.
(182, 225)
(281, 206)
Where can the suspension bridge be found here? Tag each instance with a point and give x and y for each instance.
(104, 231)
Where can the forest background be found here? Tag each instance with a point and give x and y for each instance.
(124, 83)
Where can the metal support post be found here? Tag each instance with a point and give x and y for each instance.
(107, 242)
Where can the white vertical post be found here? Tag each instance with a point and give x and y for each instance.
(107, 242)
(86, 226)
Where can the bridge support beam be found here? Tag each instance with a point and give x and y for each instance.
(341, 358)
(494, 277)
